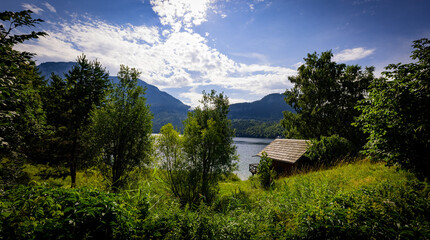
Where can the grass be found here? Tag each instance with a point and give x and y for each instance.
(349, 201)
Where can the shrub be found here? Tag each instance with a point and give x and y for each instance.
(265, 172)
(328, 150)
(56, 213)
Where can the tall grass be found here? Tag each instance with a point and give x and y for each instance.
(360, 200)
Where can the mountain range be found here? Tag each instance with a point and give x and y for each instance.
(168, 109)
(269, 108)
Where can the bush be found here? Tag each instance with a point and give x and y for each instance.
(328, 150)
(57, 213)
(11, 173)
(265, 171)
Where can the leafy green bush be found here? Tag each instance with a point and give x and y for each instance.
(55, 213)
(265, 172)
(328, 150)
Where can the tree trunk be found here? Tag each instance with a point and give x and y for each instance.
(74, 160)
(73, 173)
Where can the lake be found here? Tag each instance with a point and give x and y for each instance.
(247, 148)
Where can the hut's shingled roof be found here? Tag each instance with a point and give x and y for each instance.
(286, 150)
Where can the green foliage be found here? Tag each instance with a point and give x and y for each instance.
(208, 147)
(239, 199)
(69, 103)
(380, 212)
(56, 213)
(324, 96)
(328, 150)
(22, 119)
(229, 177)
(259, 129)
(121, 130)
(396, 115)
(265, 172)
(170, 147)
(361, 200)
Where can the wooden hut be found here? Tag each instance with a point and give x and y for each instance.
(285, 154)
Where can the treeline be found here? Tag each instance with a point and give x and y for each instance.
(347, 107)
(258, 129)
(85, 120)
(78, 121)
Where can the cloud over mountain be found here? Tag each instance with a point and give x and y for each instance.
(177, 58)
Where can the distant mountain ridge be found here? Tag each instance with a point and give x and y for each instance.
(168, 109)
(269, 108)
(165, 107)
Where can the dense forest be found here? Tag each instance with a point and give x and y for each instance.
(78, 160)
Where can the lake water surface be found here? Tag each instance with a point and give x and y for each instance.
(247, 148)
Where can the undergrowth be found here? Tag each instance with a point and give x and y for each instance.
(361, 200)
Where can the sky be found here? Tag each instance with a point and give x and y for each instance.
(244, 48)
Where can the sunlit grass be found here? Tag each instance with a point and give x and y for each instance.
(356, 199)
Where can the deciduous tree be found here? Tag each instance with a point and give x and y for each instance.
(208, 146)
(170, 146)
(21, 112)
(122, 129)
(396, 115)
(324, 96)
(22, 119)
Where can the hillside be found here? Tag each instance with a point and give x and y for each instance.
(269, 108)
(361, 200)
(165, 107)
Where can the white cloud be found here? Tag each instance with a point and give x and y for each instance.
(50, 7)
(166, 59)
(32, 7)
(352, 54)
(251, 6)
(297, 65)
(181, 13)
(253, 55)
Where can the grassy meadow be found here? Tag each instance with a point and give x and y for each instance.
(360, 200)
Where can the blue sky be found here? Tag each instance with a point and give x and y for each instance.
(246, 49)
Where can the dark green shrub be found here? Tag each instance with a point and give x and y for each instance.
(328, 150)
(11, 173)
(265, 172)
(57, 213)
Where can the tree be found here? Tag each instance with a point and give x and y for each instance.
(83, 89)
(396, 114)
(170, 146)
(121, 129)
(208, 146)
(22, 120)
(324, 96)
(20, 103)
